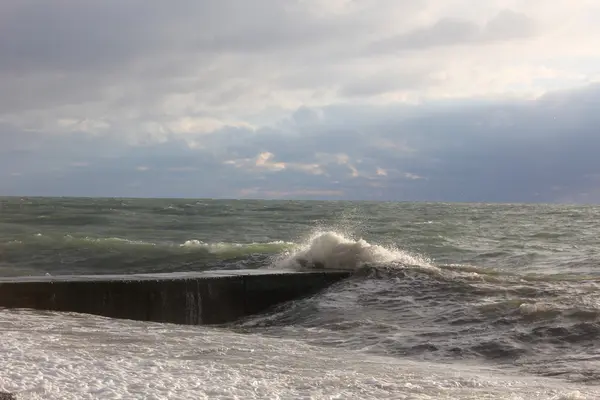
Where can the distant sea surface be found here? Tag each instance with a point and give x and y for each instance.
(447, 301)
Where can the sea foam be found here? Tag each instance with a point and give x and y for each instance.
(332, 250)
(73, 356)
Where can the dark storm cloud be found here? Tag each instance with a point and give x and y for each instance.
(503, 151)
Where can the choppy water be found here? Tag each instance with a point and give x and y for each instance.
(448, 301)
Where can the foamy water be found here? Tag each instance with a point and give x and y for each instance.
(335, 250)
(73, 356)
(238, 248)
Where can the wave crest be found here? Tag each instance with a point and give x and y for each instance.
(239, 248)
(332, 250)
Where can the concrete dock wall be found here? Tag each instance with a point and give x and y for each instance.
(211, 297)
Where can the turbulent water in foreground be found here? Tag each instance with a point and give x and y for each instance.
(448, 301)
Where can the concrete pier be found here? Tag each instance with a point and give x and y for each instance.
(210, 297)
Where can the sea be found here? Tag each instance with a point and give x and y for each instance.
(445, 301)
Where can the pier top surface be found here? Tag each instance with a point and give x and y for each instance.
(212, 274)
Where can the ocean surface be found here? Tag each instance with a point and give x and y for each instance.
(447, 301)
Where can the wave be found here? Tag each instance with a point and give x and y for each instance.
(119, 243)
(332, 250)
(221, 247)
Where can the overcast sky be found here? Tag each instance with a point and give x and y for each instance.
(437, 100)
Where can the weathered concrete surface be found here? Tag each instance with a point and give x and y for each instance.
(210, 297)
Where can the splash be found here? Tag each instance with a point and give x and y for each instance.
(332, 250)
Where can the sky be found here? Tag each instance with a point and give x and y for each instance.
(395, 100)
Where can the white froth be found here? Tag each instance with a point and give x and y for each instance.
(333, 250)
(73, 356)
(221, 248)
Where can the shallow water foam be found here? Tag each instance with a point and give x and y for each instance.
(72, 356)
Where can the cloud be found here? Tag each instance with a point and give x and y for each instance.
(264, 161)
(249, 193)
(508, 151)
(408, 175)
(377, 99)
(387, 81)
(506, 25)
(129, 65)
(443, 33)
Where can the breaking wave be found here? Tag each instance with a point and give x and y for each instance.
(332, 250)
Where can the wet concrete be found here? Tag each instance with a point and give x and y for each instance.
(196, 298)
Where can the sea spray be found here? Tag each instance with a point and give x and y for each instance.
(332, 250)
